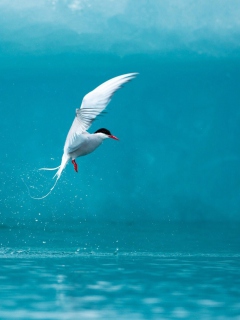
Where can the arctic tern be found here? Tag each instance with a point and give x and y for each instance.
(79, 142)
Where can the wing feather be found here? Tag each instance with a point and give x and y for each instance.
(97, 100)
(92, 105)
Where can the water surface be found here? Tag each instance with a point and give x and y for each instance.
(126, 270)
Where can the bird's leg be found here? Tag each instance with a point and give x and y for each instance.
(75, 165)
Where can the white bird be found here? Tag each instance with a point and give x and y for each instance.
(79, 142)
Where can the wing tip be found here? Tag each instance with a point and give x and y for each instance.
(128, 76)
(131, 75)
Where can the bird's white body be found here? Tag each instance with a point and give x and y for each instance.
(79, 142)
(89, 143)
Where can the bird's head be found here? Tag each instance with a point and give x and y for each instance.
(105, 133)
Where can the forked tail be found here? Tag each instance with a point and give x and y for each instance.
(65, 159)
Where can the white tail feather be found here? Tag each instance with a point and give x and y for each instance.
(65, 159)
(49, 168)
(40, 198)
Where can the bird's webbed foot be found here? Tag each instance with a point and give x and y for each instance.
(75, 165)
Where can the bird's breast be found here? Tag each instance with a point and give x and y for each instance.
(88, 146)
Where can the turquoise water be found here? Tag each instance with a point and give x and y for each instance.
(149, 227)
(89, 270)
(76, 286)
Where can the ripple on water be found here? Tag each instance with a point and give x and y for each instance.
(127, 286)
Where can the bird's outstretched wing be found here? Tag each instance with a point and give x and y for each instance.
(97, 100)
(92, 105)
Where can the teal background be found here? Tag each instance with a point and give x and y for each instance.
(178, 121)
(149, 227)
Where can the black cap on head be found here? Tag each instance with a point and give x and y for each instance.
(103, 130)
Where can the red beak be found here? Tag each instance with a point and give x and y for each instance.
(113, 137)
